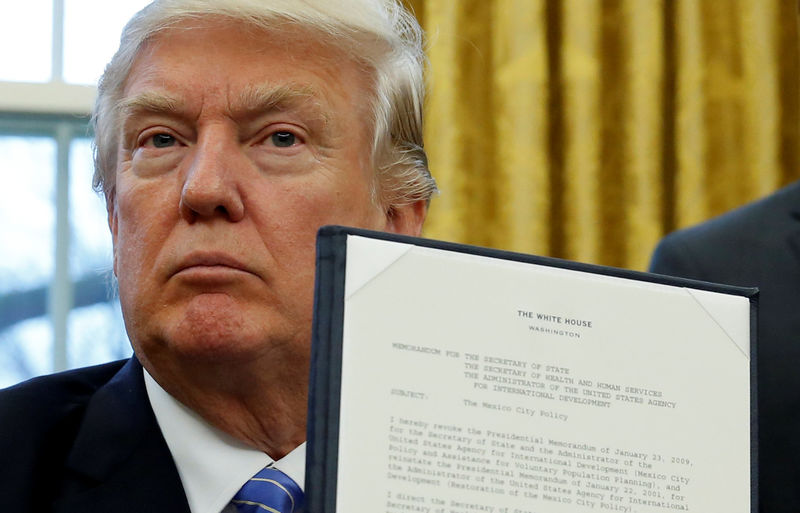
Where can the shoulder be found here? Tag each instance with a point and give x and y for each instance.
(36, 397)
(42, 414)
(40, 419)
(722, 248)
(746, 222)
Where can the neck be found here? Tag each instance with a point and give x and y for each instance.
(261, 406)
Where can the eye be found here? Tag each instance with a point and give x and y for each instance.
(162, 140)
(283, 139)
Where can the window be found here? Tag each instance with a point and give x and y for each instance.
(57, 309)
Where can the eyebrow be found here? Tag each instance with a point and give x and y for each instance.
(264, 98)
(148, 102)
(251, 102)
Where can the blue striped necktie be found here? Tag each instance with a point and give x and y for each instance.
(269, 491)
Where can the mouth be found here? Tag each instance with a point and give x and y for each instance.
(210, 265)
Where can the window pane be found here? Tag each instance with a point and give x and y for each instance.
(27, 210)
(26, 267)
(95, 330)
(26, 39)
(25, 350)
(96, 335)
(88, 43)
(90, 248)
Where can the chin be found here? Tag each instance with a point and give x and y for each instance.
(219, 330)
(212, 329)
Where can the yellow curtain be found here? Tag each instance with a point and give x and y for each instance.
(587, 129)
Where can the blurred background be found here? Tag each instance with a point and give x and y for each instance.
(580, 129)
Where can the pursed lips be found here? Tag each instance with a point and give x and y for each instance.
(211, 262)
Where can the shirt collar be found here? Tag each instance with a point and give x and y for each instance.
(212, 464)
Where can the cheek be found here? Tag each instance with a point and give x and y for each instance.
(142, 226)
(346, 199)
(335, 207)
(290, 216)
(328, 195)
(131, 257)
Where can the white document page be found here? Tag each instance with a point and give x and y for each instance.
(472, 384)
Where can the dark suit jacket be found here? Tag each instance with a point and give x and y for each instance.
(85, 441)
(759, 245)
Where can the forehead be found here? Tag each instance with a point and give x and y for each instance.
(213, 59)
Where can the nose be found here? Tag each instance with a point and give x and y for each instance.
(212, 187)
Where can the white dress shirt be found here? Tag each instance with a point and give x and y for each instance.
(212, 464)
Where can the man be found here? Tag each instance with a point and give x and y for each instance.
(227, 132)
(758, 245)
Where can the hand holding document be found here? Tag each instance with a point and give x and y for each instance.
(457, 380)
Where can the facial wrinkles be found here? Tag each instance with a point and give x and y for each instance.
(256, 105)
(254, 100)
(299, 104)
(260, 99)
(296, 106)
(134, 110)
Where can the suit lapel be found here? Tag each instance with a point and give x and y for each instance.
(120, 461)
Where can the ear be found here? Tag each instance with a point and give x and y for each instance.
(407, 219)
(111, 208)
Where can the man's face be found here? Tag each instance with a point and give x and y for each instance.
(236, 146)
